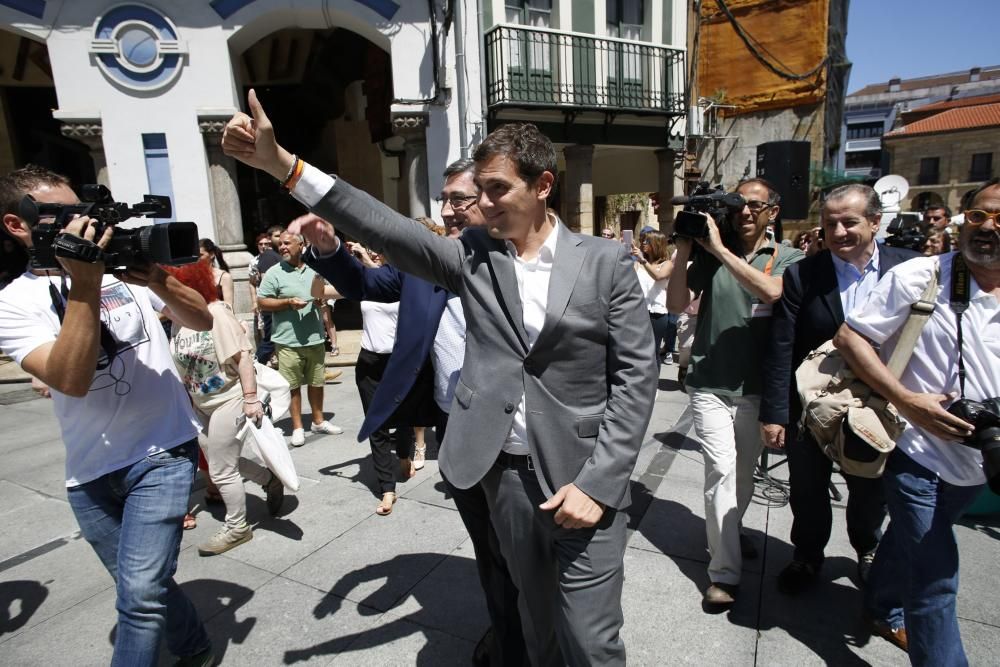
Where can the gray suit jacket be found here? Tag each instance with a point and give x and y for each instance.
(589, 380)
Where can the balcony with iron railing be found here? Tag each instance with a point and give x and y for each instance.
(541, 68)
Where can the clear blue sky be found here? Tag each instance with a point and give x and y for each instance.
(911, 38)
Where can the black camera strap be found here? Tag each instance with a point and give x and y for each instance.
(961, 289)
(59, 298)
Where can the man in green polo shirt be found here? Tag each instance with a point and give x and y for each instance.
(297, 332)
(738, 282)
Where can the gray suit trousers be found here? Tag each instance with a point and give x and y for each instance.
(570, 581)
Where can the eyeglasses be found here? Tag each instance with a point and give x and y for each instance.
(607, 235)
(757, 206)
(978, 217)
(458, 202)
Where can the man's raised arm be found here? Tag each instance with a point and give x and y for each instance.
(406, 244)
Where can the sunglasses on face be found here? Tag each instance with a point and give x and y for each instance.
(757, 206)
(978, 217)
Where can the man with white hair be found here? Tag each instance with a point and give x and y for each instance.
(297, 331)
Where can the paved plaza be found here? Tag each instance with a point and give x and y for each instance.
(329, 582)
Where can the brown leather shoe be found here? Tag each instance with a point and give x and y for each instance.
(719, 595)
(895, 636)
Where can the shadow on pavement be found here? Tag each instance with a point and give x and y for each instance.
(219, 601)
(30, 594)
(827, 618)
(434, 606)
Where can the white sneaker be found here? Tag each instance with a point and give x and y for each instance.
(326, 427)
(298, 437)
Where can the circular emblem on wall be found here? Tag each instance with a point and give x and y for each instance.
(137, 47)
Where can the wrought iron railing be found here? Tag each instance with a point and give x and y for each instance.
(536, 67)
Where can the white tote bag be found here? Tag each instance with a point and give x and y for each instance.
(273, 387)
(268, 444)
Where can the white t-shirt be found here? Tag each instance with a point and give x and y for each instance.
(205, 359)
(379, 326)
(654, 291)
(136, 406)
(933, 368)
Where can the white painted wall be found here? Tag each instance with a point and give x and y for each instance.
(207, 81)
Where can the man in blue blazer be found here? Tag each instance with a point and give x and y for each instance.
(818, 292)
(431, 331)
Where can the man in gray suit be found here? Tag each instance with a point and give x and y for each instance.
(553, 402)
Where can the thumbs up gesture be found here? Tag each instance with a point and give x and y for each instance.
(250, 139)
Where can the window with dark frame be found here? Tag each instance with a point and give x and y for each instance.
(531, 54)
(929, 171)
(982, 167)
(865, 130)
(624, 20)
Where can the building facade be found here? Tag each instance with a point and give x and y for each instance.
(876, 109)
(135, 95)
(606, 81)
(945, 150)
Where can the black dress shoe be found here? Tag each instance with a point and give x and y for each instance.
(797, 576)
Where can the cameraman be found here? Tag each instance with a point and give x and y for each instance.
(127, 424)
(737, 281)
(931, 477)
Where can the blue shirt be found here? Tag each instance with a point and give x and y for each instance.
(855, 285)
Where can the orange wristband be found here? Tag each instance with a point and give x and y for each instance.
(296, 175)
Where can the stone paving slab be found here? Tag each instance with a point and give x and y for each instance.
(328, 582)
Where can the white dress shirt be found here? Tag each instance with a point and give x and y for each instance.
(854, 285)
(533, 286)
(933, 368)
(449, 352)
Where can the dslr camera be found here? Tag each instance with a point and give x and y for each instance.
(985, 419)
(714, 201)
(171, 243)
(904, 232)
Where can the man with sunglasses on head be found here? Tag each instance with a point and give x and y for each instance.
(931, 477)
(431, 339)
(130, 434)
(737, 271)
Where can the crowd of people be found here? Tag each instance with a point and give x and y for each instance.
(534, 354)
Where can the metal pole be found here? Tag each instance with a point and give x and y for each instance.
(460, 74)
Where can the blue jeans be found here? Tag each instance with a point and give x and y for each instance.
(133, 517)
(265, 349)
(916, 565)
(664, 329)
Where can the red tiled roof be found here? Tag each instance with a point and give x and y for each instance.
(952, 78)
(962, 118)
(959, 102)
(928, 110)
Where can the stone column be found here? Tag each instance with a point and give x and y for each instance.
(578, 192)
(226, 217)
(414, 199)
(665, 161)
(88, 132)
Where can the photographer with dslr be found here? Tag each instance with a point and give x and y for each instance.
(738, 281)
(126, 420)
(937, 468)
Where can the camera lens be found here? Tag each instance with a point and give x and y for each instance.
(989, 441)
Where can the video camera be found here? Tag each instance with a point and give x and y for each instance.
(171, 243)
(714, 201)
(904, 232)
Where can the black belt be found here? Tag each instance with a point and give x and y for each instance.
(515, 461)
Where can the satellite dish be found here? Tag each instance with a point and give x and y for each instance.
(891, 189)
